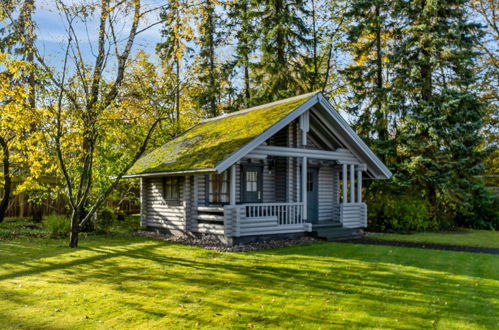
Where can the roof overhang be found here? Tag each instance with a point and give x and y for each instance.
(158, 174)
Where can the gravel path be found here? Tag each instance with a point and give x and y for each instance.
(434, 246)
(213, 244)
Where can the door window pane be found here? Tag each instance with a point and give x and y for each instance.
(310, 181)
(251, 181)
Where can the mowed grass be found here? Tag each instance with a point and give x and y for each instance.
(468, 237)
(132, 282)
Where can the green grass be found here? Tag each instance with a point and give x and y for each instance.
(480, 238)
(130, 282)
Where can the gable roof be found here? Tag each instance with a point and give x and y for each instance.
(215, 144)
(203, 146)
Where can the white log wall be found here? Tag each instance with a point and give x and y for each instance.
(159, 213)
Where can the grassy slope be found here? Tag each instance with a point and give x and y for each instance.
(129, 282)
(482, 238)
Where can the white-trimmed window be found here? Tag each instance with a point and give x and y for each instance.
(218, 188)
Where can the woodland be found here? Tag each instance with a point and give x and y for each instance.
(418, 81)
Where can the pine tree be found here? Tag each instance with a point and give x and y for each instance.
(208, 70)
(433, 75)
(177, 33)
(241, 21)
(283, 36)
(368, 43)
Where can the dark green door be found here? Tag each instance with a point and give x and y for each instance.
(252, 184)
(313, 194)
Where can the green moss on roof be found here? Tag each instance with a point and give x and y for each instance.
(206, 144)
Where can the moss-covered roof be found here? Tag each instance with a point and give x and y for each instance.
(206, 144)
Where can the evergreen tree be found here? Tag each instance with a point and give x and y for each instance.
(173, 51)
(284, 35)
(368, 42)
(433, 74)
(208, 73)
(242, 20)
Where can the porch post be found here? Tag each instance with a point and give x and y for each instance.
(232, 195)
(359, 185)
(344, 179)
(304, 187)
(352, 183)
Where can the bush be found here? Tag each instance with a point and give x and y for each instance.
(57, 225)
(401, 213)
(484, 211)
(14, 228)
(104, 220)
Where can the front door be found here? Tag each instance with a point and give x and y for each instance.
(252, 184)
(313, 194)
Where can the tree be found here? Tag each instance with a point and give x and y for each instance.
(173, 51)
(242, 18)
(433, 76)
(85, 117)
(17, 140)
(17, 119)
(368, 42)
(485, 12)
(283, 36)
(207, 68)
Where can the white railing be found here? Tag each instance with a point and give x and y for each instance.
(263, 219)
(286, 213)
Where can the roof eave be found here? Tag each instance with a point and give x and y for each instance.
(380, 166)
(157, 174)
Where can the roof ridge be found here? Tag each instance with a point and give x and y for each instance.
(271, 104)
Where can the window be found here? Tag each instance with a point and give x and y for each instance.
(310, 181)
(251, 181)
(171, 189)
(218, 188)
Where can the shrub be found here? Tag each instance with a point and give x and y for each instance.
(401, 213)
(104, 220)
(57, 225)
(484, 211)
(14, 228)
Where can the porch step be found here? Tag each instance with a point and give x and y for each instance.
(336, 233)
(327, 224)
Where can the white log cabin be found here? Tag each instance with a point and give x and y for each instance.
(284, 169)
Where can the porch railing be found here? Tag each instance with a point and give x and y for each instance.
(285, 213)
(264, 218)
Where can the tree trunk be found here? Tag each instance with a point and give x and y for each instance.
(37, 211)
(247, 83)
(75, 228)
(7, 179)
(315, 43)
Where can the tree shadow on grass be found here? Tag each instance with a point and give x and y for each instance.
(220, 281)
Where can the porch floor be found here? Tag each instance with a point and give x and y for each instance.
(334, 231)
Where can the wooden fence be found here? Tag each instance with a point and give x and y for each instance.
(20, 205)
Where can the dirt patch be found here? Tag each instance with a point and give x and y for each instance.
(211, 244)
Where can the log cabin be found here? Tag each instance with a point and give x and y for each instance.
(280, 170)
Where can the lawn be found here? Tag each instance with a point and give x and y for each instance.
(480, 238)
(128, 282)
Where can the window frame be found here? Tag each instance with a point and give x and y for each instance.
(222, 198)
(171, 188)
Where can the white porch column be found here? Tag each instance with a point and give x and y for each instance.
(359, 185)
(344, 179)
(352, 183)
(304, 187)
(232, 194)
